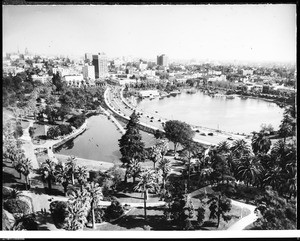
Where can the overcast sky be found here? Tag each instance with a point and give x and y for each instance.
(221, 32)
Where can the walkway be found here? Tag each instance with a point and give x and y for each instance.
(244, 221)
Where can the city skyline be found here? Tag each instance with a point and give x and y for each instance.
(218, 32)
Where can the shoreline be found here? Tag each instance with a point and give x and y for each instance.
(89, 163)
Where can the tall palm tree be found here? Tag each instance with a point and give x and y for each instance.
(260, 142)
(95, 193)
(134, 168)
(27, 168)
(81, 175)
(191, 149)
(223, 147)
(71, 164)
(63, 176)
(78, 205)
(147, 183)
(154, 154)
(164, 166)
(249, 169)
(48, 172)
(18, 162)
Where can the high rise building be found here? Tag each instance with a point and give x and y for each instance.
(88, 72)
(162, 60)
(100, 62)
(88, 57)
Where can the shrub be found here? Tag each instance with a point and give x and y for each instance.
(6, 192)
(27, 222)
(65, 129)
(17, 206)
(18, 131)
(115, 210)
(77, 120)
(99, 215)
(53, 132)
(59, 212)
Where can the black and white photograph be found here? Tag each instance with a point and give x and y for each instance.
(153, 117)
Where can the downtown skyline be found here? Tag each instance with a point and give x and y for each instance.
(216, 32)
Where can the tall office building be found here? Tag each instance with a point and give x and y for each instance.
(100, 62)
(162, 60)
(88, 57)
(88, 72)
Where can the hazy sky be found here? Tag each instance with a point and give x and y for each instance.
(222, 32)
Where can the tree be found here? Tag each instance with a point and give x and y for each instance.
(275, 212)
(71, 165)
(190, 149)
(59, 213)
(239, 148)
(131, 145)
(133, 169)
(219, 206)
(63, 176)
(164, 165)
(18, 162)
(260, 142)
(147, 183)
(78, 206)
(48, 172)
(286, 127)
(81, 175)
(178, 132)
(95, 194)
(25, 170)
(249, 169)
(154, 154)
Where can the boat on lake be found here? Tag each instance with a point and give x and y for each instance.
(230, 97)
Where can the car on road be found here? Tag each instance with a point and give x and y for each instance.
(230, 138)
(210, 134)
(203, 134)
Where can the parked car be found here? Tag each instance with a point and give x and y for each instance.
(230, 138)
(210, 134)
(203, 134)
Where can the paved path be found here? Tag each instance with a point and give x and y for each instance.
(244, 221)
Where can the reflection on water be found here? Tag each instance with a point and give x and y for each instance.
(236, 115)
(99, 141)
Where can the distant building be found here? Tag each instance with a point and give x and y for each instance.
(88, 72)
(247, 72)
(162, 60)
(74, 80)
(143, 66)
(88, 57)
(43, 79)
(38, 65)
(148, 93)
(100, 62)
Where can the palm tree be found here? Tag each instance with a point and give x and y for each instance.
(191, 149)
(249, 169)
(223, 147)
(260, 142)
(62, 176)
(95, 193)
(78, 205)
(286, 127)
(239, 148)
(134, 168)
(18, 162)
(154, 154)
(48, 172)
(71, 164)
(81, 175)
(26, 171)
(147, 183)
(164, 166)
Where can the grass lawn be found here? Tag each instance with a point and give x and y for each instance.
(11, 178)
(136, 197)
(39, 130)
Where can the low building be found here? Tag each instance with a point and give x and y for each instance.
(43, 79)
(148, 93)
(74, 80)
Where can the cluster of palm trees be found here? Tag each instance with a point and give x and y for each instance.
(63, 173)
(258, 166)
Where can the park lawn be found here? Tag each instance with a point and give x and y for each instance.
(136, 197)
(11, 178)
(39, 130)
